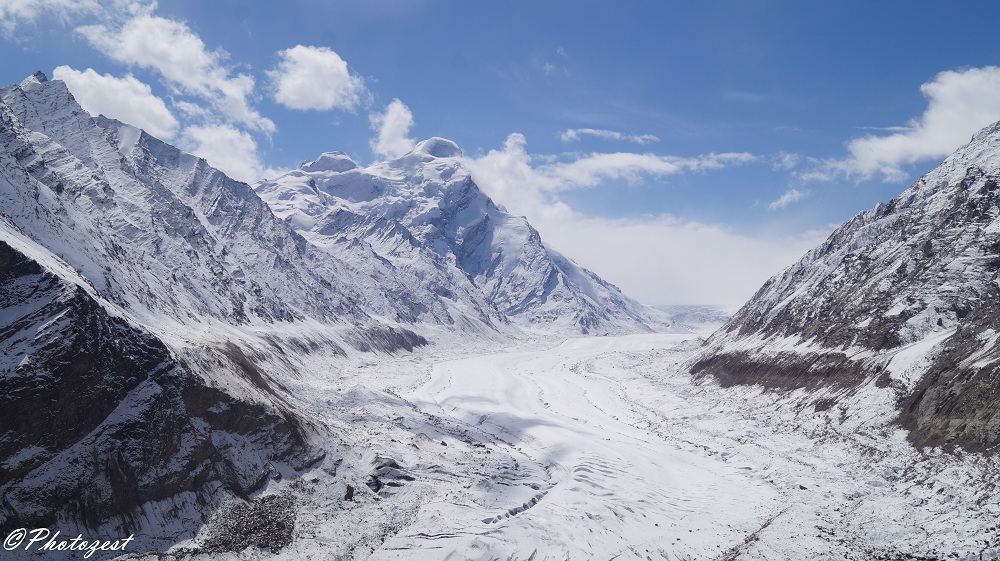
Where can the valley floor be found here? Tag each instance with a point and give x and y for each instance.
(605, 448)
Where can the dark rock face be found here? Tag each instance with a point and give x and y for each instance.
(923, 265)
(956, 401)
(386, 339)
(782, 370)
(98, 419)
(386, 475)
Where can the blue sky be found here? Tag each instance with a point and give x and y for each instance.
(684, 150)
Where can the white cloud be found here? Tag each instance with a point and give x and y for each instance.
(659, 259)
(315, 78)
(15, 13)
(126, 99)
(959, 103)
(226, 148)
(785, 161)
(181, 57)
(574, 134)
(666, 260)
(192, 110)
(513, 166)
(787, 198)
(392, 127)
(596, 168)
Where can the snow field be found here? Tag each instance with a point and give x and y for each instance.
(605, 448)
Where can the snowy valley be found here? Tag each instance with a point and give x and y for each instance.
(379, 362)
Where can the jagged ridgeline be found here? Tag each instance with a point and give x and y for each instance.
(421, 222)
(152, 309)
(903, 296)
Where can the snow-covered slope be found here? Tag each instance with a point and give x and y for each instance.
(102, 426)
(427, 226)
(167, 343)
(157, 231)
(903, 295)
(147, 306)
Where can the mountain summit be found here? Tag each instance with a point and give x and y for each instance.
(904, 296)
(423, 220)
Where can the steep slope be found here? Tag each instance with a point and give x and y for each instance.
(102, 426)
(424, 219)
(903, 295)
(148, 304)
(158, 231)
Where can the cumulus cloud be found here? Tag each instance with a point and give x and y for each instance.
(787, 198)
(959, 103)
(392, 127)
(228, 149)
(656, 259)
(15, 13)
(182, 59)
(126, 99)
(315, 78)
(574, 134)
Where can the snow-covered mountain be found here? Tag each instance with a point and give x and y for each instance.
(225, 371)
(126, 402)
(423, 223)
(903, 296)
(161, 327)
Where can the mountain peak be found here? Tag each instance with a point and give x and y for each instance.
(989, 132)
(438, 147)
(420, 223)
(34, 80)
(330, 161)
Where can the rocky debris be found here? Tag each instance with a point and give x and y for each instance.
(385, 339)
(386, 474)
(267, 522)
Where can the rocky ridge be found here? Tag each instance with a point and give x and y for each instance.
(901, 296)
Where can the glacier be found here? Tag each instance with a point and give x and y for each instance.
(379, 362)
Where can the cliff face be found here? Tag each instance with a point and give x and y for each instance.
(904, 294)
(103, 427)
